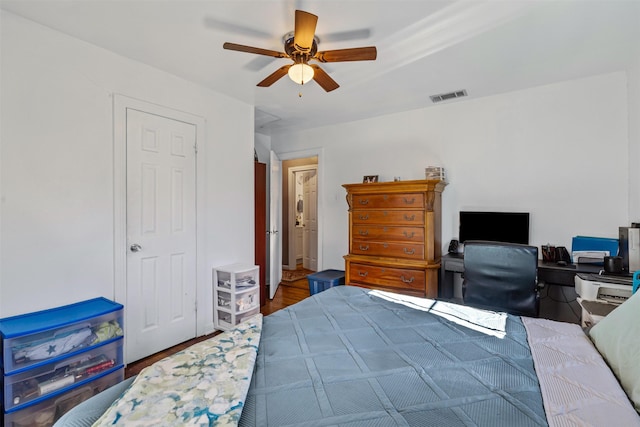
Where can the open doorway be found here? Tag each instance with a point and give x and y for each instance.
(303, 218)
(300, 215)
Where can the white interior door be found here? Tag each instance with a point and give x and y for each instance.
(310, 238)
(161, 233)
(275, 223)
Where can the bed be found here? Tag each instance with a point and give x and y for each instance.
(353, 357)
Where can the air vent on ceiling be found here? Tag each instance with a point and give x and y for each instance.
(446, 96)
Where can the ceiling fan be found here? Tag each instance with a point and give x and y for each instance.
(301, 46)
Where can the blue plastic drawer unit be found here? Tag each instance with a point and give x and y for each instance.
(29, 385)
(54, 359)
(44, 413)
(324, 280)
(45, 336)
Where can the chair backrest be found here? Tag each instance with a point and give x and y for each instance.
(501, 276)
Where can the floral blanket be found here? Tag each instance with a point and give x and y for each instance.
(203, 385)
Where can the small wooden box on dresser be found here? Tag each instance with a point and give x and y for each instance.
(395, 236)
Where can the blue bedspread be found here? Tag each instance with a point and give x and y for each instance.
(351, 357)
(348, 358)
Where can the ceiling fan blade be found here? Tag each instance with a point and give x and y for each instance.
(256, 50)
(305, 30)
(342, 55)
(275, 76)
(323, 79)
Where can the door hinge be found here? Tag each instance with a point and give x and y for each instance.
(195, 148)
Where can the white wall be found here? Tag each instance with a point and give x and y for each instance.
(557, 151)
(56, 160)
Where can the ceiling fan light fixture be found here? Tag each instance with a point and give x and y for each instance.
(300, 73)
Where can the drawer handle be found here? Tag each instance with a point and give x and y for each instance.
(409, 218)
(409, 236)
(364, 247)
(364, 201)
(363, 273)
(406, 280)
(364, 232)
(409, 251)
(364, 217)
(409, 202)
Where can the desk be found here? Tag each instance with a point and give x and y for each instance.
(557, 302)
(449, 264)
(548, 272)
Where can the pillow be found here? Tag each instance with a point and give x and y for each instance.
(617, 338)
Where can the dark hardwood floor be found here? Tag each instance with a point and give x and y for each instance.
(288, 293)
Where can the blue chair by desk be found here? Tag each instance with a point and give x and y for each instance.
(636, 281)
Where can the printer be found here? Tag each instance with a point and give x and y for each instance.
(600, 294)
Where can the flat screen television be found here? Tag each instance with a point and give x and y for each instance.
(511, 227)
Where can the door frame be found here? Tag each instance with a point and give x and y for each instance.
(292, 201)
(121, 103)
(319, 153)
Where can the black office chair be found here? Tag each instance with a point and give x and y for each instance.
(501, 277)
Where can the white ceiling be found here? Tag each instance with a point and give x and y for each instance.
(425, 47)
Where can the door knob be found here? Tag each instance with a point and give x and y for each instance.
(135, 247)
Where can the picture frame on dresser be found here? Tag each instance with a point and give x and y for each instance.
(368, 179)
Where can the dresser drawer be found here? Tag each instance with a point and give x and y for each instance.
(388, 249)
(388, 233)
(389, 277)
(382, 201)
(382, 217)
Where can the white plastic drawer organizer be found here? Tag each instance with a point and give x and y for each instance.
(54, 359)
(236, 294)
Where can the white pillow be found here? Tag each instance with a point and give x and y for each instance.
(617, 338)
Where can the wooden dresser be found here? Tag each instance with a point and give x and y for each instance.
(394, 236)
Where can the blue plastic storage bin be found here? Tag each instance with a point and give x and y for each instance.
(323, 280)
(35, 329)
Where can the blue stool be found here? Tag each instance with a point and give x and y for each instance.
(324, 280)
